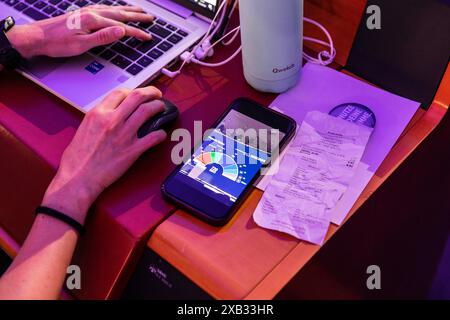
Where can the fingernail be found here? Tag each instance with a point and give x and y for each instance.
(161, 105)
(161, 134)
(119, 31)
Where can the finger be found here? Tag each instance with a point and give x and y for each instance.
(102, 37)
(143, 113)
(135, 99)
(131, 8)
(125, 15)
(137, 33)
(94, 22)
(126, 8)
(151, 140)
(113, 99)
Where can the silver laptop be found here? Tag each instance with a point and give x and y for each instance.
(129, 63)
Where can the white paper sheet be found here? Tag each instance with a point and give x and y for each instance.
(314, 174)
(322, 88)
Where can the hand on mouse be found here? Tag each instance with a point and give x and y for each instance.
(103, 148)
(76, 32)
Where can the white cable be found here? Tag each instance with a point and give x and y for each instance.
(227, 43)
(329, 55)
(236, 33)
(207, 34)
(221, 40)
(323, 57)
(173, 74)
(222, 17)
(218, 64)
(316, 41)
(234, 8)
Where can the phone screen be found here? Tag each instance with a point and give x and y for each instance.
(229, 158)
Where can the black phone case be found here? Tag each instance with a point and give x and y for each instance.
(203, 216)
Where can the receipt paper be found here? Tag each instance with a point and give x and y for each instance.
(313, 175)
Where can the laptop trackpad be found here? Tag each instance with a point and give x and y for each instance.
(81, 79)
(43, 66)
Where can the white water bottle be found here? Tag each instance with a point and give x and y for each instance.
(272, 34)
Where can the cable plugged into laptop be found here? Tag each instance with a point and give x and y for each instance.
(205, 49)
(186, 57)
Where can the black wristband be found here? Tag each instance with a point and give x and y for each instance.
(10, 58)
(62, 217)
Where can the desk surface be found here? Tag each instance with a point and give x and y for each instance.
(242, 260)
(46, 125)
(129, 210)
(36, 127)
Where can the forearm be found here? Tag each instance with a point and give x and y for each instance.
(39, 270)
(103, 148)
(26, 39)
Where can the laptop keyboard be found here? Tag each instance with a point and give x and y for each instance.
(130, 54)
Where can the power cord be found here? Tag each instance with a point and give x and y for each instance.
(205, 49)
(329, 55)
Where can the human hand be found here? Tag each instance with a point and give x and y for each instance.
(103, 148)
(62, 37)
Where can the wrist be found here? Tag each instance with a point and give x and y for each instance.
(72, 198)
(24, 39)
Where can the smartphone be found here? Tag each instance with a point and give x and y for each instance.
(218, 174)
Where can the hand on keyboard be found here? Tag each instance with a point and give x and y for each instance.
(76, 32)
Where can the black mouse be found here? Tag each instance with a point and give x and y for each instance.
(161, 120)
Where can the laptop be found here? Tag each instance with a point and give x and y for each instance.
(84, 80)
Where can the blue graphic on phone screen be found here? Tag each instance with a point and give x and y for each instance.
(227, 161)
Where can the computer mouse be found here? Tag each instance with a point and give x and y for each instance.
(160, 121)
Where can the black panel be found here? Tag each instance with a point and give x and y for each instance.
(156, 279)
(192, 5)
(404, 227)
(5, 261)
(409, 55)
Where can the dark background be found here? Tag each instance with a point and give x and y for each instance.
(409, 54)
(404, 228)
